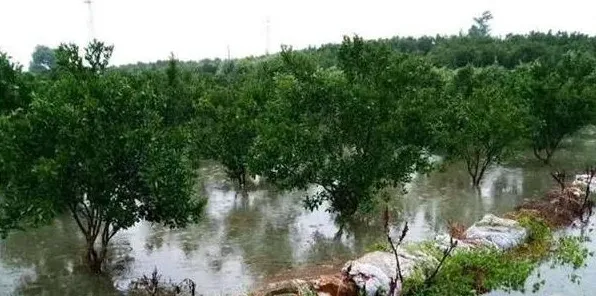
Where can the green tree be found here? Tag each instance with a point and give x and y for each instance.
(15, 87)
(43, 59)
(95, 147)
(230, 111)
(483, 118)
(561, 94)
(351, 130)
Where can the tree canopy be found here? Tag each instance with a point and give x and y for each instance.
(351, 130)
(43, 59)
(483, 117)
(561, 94)
(95, 147)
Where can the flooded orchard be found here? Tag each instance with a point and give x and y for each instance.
(244, 241)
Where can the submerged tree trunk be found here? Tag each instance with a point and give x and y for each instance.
(549, 150)
(476, 181)
(546, 158)
(94, 224)
(241, 177)
(95, 259)
(473, 164)
(477, 167)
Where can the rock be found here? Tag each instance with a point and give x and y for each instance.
(336, 285)
(581, 181)
(291, 287)
(370, 272)
(373, 272)
(497, 232)
(443, 242)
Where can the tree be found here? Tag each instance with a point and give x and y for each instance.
(561, 94)
(352, 130)
(43, 59)
(93, 146)
(229, 114)
(483, 118)
(481, 28)
(15, 86)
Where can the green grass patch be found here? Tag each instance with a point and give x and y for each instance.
(473, 272)
(477, 271)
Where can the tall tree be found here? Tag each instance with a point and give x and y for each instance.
(481, 27)
(561, 94)
(43, 59)
(483, 118)
(93, 146)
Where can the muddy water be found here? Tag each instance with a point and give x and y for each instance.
(243, 241)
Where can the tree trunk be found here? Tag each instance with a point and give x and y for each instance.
(241, 177)
(476, 179)
(549, 154)
(545, 159)
(475, 174)
(94, 260)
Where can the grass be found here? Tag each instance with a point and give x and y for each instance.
(473, 272)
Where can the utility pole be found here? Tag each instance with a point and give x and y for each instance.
(228, 52)
(267, 35)
(90, 24)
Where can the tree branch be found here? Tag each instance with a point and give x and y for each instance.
(446, 253)
(78, 220)
(398, 273)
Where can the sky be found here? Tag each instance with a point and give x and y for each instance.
(148, 30)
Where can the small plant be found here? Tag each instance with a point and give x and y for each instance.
(398, 275)
(154, 286)
(539, 241)
(571, 251)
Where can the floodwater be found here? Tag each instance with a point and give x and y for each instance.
(244, 241)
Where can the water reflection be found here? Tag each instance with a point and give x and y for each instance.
(49, 266)
(243, 240)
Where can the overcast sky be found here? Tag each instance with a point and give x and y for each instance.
(147, 30)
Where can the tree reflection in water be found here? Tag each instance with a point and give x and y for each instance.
(52, 256)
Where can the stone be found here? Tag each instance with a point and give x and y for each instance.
(500, 233)
(581, 181)
(335, 285)
(443, 242)
(373, 272)
(290, 287)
